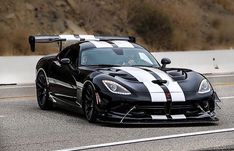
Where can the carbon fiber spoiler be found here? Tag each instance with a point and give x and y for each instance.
(60, 38)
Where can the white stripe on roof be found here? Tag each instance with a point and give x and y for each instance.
(88, 37)
(68, 37)
(123, 44)
(101, 44)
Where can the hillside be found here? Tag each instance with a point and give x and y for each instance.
(159, 25)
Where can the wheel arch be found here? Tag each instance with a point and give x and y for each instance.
(96, 87)
(86, 83)
(44, 72)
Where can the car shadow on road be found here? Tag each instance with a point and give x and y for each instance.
(68, 112)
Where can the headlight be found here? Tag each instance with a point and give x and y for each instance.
(204, 87)
(115, 87)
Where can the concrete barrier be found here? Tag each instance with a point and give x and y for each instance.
(217, 61)
(18, 70)
(21, 70)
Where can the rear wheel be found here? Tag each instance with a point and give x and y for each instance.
(42, 92)
(89, 104)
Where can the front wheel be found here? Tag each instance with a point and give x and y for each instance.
(42, 92)
(89, 104)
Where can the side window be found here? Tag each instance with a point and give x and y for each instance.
(72, 53)
(64, 53)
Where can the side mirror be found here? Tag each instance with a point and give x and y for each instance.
(65, 61)
(165, 61)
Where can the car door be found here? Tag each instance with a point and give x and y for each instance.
(64, 76)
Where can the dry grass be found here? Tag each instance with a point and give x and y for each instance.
(158, 24)
(223, 33)
(226, 4)
(151, 24)
(16, 43)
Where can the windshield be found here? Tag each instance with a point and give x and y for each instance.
(117, 57)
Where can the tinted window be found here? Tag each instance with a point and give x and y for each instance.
(71, 53)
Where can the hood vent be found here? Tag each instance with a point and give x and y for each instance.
(123, 76)
(177, 75)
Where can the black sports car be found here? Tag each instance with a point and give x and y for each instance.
(113, 79)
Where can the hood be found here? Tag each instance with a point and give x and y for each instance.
(176, 80)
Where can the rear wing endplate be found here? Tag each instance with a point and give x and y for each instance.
(60, 38)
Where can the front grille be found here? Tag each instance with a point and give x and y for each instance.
(162, 109)
(157, 108)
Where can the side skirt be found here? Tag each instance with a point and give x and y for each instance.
(66, 104)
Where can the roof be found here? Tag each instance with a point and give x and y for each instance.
(108, 44)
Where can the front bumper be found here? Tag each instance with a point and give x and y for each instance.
(159, 113)
(117, 119)
(134, 111)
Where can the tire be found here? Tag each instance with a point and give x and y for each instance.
(89, 104)
(43, 92)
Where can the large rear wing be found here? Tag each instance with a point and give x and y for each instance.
(60, 38)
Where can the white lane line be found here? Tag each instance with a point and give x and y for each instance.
(226, 97)
(1, 116)
(149, 139)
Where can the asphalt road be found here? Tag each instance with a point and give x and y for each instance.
(23, 126)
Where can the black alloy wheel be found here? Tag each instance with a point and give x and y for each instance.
(42, 92)
(89, 104)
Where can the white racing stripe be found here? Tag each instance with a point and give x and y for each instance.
(159, 117)
(73, 38)
(156, 92)
(88, 37)
(149, 139)
(101, 44)
(123, 44)
(164, 117)
(68, 37)
(174, 88)
(178, 117)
